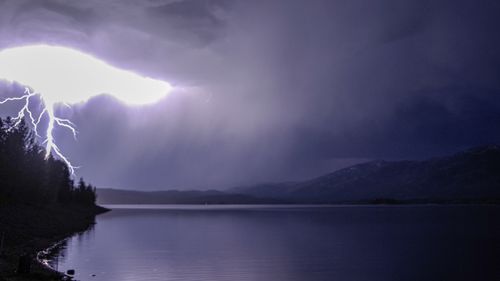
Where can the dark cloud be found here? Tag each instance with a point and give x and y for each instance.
(203, 20)
(408, 18)
(191, 11)
(273, 90)
(79, 15)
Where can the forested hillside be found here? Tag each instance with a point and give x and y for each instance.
(27, 177)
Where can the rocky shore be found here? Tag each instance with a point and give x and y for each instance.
(26, 230)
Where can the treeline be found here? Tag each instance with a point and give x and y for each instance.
(27, 177)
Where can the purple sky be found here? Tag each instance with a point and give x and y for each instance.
(273, 90)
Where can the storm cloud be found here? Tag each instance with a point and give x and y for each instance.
(272, 90)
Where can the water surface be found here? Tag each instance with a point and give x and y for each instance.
(288, 243)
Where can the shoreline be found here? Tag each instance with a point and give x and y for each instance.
(42, 257)
(112, 206)
(34, 231)
(41, 248)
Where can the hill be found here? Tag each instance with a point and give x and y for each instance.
(471, 176)
(468, 176)
(39, 203)
(117, 196)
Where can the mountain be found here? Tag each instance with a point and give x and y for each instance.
(117, 196)
(468, 176)
(471, 176)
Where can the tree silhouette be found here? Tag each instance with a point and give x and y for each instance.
(27, 177)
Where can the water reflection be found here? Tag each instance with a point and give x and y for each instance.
(57, 253)
(266, 243)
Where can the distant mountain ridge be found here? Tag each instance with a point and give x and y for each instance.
(469, 176)
(120, 196)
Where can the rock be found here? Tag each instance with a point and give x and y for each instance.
(24, 266)
(70, 272)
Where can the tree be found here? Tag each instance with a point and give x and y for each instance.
(27, 177)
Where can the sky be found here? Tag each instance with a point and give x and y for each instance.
(270, 91)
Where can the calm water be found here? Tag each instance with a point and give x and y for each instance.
(266, 243)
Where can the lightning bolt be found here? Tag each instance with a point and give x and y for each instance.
(84, 74)
(48, 109)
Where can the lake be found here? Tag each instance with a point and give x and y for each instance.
(278, 243)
